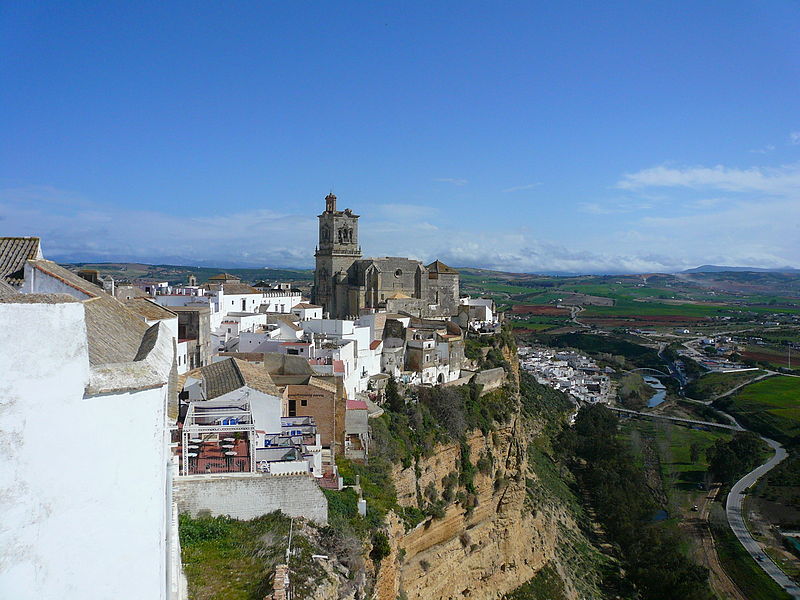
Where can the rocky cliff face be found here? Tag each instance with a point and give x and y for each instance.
(480, 553)
(489, 539)
(495, 546)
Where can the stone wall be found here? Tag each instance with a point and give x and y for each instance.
(490, 379)
(247, 496)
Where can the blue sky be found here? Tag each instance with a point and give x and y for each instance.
(524, 136)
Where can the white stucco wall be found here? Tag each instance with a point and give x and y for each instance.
(83, 480)
(37, 282)
(333, 327)
(305, 314)
(239, 302)
(182, 357)
(280, 302)
(250, 340)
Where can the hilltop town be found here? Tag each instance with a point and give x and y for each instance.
(219, 397)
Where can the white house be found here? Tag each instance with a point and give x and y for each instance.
(481, 312)
(305, 311)
(280, 300)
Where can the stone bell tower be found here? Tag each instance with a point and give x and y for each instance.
(336, 251)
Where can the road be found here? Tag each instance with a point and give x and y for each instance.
(735, 426)
(733, 508)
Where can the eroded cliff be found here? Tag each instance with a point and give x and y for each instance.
(473, 504)
(498, 534)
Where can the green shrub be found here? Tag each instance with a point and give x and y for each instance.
(380, 547)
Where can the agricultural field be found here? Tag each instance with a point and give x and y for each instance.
(770, 406)
(659, 302)
(523, 325)
(774, 356)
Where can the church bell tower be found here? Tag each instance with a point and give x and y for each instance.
(336, 251)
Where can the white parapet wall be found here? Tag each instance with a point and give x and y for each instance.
(289, 467)
(247, 496)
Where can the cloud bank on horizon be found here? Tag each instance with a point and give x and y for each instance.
(661, 218)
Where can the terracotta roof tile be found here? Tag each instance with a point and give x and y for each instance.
(148, 309)
(438, 266)
(231, 374)
(14, 251)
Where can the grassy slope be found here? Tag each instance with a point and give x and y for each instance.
(679, 473)
(714, 384)
(770, 406)
(221, 556)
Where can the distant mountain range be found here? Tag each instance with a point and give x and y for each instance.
(723, 269)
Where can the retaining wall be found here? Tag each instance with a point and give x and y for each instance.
(247, 496)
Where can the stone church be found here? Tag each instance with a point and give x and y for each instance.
(345, 284)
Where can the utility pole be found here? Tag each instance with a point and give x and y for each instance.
(289, 593)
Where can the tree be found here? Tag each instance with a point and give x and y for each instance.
(394, 400)
(694, 452)
(732, 459)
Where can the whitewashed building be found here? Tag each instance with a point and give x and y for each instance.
(86, 510)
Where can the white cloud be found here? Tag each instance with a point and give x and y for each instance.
(740, 233)
(769, 180)
(764, 150)
(794, 138)
(88, 231)
(520, 188)
(615, 207)
(453, 180)
(762, 233)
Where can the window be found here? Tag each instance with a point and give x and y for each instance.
(292, 408)
(303, 402)
(398, 273)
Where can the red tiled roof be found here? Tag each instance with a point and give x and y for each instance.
(375, 344)
(338, 366)
(356, 405)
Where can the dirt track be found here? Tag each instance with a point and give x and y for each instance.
(706, 553)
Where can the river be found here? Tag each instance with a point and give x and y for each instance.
(660, 392)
